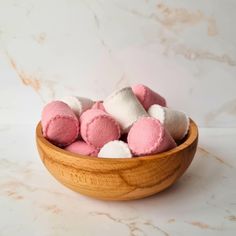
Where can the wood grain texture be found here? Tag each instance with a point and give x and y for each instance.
(118, 179)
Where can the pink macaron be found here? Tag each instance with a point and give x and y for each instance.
(148, 136)
(148, 97)
(60, 125)
(81, 147)
(98, 105)
(98, 128)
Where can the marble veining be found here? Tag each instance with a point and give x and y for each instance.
(184, 50)
(33, 80)
(201, 202)
(177, 19)
(154, 42)
(133, 224)
(198, 54)
(229, 107)
(218, 159)
(204, 225)
(40, 38)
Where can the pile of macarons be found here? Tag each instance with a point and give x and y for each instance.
(131, 122)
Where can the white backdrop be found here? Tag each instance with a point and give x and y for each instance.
(185, 50)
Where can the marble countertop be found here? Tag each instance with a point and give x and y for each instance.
(33, 203)
(184, 50)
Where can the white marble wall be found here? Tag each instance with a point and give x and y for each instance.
(184, 49)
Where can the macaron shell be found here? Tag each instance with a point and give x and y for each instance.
(73, 103)
(98, 128)
(148, 136)
(115, 149)
(60, 125)
(125, 107)
(144, 136)
(102, 130)
(86, 103)
(158, 112)
(90, 114)
(176, 122)
(78, 104)
(167, 142)
(147, 97)
(82, 148)
(98, 105)
(140, 92)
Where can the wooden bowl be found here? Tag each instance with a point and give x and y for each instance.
(122, 178)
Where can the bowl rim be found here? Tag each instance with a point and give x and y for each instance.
(192, 135)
